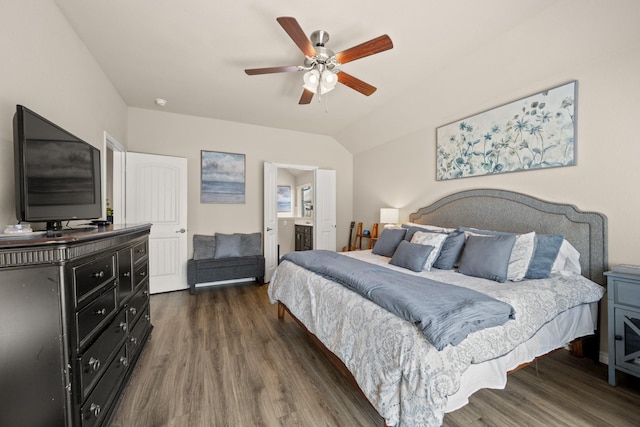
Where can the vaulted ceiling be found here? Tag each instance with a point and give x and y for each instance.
(193, 54)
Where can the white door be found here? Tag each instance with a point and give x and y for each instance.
(156, 193)
(270, 227)
(325, 210)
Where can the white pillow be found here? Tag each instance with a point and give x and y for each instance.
(568, 260)
(435, 228)
(521, 255)
(434, 239)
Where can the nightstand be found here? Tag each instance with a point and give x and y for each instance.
(623, 291)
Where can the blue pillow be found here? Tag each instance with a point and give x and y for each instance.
(450, 250)
(227, 246)
(544, 255)
(388, 241)
(487, 256)
(411, 256)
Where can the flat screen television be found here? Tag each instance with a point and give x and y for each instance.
(57, 175)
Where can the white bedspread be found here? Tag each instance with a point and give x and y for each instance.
(404, 377)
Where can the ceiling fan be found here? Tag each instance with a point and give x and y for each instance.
(322, 64)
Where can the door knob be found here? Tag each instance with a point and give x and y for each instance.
(269, 228)
(182, 230)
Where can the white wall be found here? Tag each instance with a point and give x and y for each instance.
(185, 136)
(47, 68)
(572, 43)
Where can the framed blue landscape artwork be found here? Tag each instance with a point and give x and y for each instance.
(223, 177)
(284, 198)
(535, 132)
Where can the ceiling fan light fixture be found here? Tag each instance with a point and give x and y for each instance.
(311, 79)
(326, 81)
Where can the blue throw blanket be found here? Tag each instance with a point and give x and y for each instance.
(445, 313)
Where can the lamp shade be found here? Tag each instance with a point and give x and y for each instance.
(389, 215)
(313, 80)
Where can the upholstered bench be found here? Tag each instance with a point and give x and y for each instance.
(225, 257)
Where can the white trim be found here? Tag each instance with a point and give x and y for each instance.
(118, 185)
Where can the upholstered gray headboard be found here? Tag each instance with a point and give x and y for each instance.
(515, 212)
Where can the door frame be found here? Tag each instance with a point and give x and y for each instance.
(118, 175)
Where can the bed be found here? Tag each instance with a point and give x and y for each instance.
(403, 375)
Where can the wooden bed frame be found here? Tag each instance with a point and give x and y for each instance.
(508, 211)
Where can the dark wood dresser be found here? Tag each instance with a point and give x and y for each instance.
(74, 318)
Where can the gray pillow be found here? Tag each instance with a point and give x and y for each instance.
(251, 244)
(544, 255)
(411, 255)
(204, 247)
(487, 257)
(227, 245)
(388, 241)
(450, 250)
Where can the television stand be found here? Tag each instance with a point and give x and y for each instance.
(54, 228)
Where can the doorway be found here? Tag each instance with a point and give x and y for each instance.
(317, 189)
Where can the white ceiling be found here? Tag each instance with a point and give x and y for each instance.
(193, 54)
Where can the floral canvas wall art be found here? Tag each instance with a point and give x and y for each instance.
(223, 177)
(535, 132)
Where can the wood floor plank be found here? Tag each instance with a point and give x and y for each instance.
(222, 358)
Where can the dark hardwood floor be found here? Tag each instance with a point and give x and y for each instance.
(222, 358)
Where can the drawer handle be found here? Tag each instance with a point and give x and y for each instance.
(134, 340)
(123, 326)
(143, 273)
(99, 274)
(146, 293)
(101, 312)
(140, 251)
(147, 317)
(126, 274)
(94, 364)
(618, 337)
(133, 310)
(124, 361)
(95, 409)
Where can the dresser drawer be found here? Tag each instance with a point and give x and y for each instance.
(137, 303)
(142, 272)
(134, 343)
(95, 315)
(625, 292)
(97, 404)
(89, 277)
(125, 274)
(94, 361)
(140, 251)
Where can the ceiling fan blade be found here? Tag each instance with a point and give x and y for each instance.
(269, 70)
(298, 36)
(306, 97)
(355, 84)
(377, 45)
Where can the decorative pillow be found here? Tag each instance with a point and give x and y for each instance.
(450, 250)
(388, 241)
(544, 255)
(412, 256)
(413, 227)
(204, 247)
(487, 256)
(251, 244)
(429, 238)
(227, 245)
(568, 260)
(521, 256)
